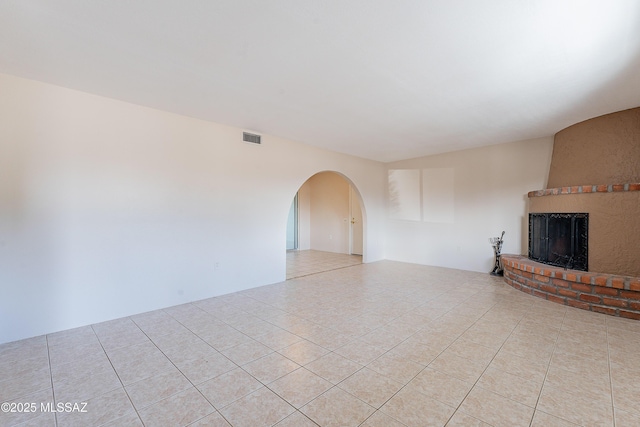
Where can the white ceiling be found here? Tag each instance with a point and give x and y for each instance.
(379, 79)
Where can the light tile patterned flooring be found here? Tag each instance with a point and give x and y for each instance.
(303, 263)
(381, 344)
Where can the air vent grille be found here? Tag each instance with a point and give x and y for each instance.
(250, 137)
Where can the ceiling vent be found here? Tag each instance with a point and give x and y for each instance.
(250, 137)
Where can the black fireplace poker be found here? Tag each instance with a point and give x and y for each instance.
(496, 243)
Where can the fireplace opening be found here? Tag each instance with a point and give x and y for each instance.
(559, 239)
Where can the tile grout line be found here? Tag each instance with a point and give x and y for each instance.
(321, 271)
(179, 370)
(438, 355)
(361, 368)
(555, 345)
(427, 366)
(240, 366)
(485, 369)
(53, 390)
(613, 405)
(117, 374)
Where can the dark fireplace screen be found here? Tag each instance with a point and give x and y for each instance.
(559, 239)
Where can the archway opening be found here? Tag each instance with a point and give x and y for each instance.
(325, 228)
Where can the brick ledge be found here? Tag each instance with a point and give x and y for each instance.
(582, 189)
(604, 293)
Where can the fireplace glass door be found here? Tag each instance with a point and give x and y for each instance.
(559, 239)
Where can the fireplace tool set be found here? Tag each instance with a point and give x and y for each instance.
(496, 243)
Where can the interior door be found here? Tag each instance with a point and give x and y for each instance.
(356, 236)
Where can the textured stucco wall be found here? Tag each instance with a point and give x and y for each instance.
(614, 227)
(602, 150)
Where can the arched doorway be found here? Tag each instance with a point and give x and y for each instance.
(325, 228)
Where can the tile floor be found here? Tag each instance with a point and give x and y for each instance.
(381, 344)
(303, 263)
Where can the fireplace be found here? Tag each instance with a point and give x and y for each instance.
(559, 239)
(595, 169)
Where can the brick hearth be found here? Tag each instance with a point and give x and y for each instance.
(603, 293)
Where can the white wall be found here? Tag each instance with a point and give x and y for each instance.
(464, 198)
(109, 209)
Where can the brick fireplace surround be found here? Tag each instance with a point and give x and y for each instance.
(604, 149)
(604, 293)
